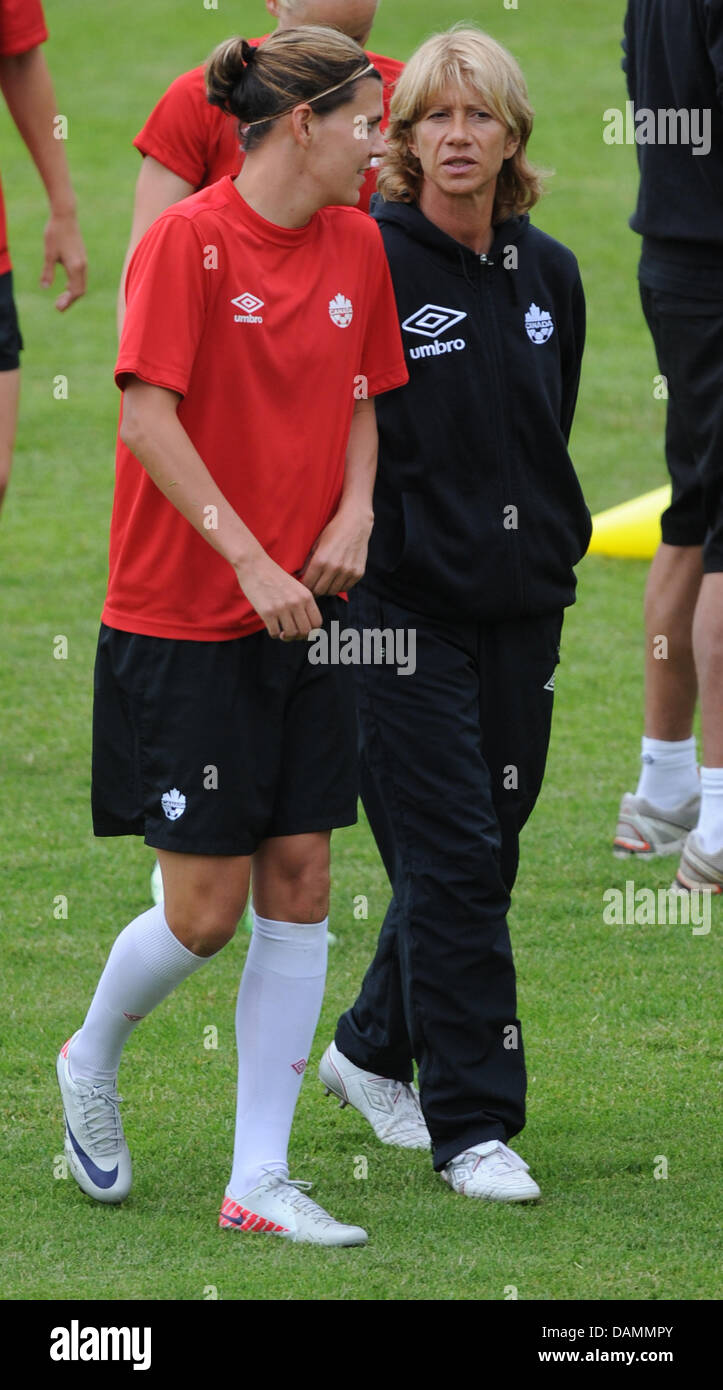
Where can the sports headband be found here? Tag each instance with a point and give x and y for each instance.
(276, 114)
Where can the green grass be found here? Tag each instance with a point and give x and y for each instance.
(618, 1020)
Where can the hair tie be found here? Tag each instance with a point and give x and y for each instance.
(248, 53)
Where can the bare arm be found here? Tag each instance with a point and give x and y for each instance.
(339, 557)
(28, 90)
(157, 188)
(153, 432)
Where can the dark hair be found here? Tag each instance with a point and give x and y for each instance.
(261, 84)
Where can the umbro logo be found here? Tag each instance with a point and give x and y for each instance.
(299, 1067)
(249, 304)
(433, 319)
(550, 685)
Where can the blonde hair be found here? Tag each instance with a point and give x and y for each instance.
(463, 56)
(310, 64)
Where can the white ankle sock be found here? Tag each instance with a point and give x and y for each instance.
(710, 824)
(279, 1002)
(669, 774)
(146, 962)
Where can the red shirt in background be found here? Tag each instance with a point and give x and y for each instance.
(22, 27)
(200, 144)
(266, 332)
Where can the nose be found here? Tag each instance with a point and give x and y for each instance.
(378, 145)
(458, 129)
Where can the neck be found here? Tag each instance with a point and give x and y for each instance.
(467, 219)
(277, 191)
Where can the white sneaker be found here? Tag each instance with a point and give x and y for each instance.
(95, 1148)
(493, 1171)
(278, 1206)
(647, 832)
(391, 1107)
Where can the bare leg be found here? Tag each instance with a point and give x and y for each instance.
(203, 897)
(9, 396)
(671, 685)
(708, 647)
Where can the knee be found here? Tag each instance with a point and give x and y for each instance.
(204, 924)
(297, 890)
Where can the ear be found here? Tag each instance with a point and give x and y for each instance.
(273, 8)
(301, 119)
(512, 145)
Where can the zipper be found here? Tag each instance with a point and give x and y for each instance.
(499, 423)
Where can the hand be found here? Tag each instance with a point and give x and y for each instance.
(338, 559)
(64, 244)
(286, 606)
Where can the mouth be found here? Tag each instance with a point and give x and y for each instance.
(458, 162)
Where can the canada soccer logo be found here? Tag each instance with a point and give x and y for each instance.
(341, 310)
(173, 803)
(539, 324)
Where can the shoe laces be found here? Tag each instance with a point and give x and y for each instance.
(407, 1106)
(300, 1202)
(101, 1117)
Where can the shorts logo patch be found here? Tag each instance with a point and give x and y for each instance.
(341, 310)
(173, 803)
(539, 325)
(299, 1066)
(550, 685)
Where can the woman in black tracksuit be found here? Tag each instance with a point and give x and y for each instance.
(479, 520)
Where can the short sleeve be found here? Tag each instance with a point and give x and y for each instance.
(22, 26)
(178, 130)
(166, 295)
(383, 362)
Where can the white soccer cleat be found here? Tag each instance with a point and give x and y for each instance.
(279, 1206)
(391, 1107)
(645, 831)
(95, 1147)
(493, 1171)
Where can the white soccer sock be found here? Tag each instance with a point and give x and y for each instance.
(279, 1002)
(669, 774)
(710, 824)
(146, 962)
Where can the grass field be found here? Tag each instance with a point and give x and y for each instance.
(618, 1020)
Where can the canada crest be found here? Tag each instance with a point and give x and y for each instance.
(539, 325)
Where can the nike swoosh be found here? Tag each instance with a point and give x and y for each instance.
(96, 1175)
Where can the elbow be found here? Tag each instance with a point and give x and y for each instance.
(131, 430)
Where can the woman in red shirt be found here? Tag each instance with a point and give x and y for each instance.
(260, 323)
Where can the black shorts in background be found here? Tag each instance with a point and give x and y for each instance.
(212, 747)
(688, 338)
(10, 340)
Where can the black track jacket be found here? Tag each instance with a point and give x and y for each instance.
(478, 511)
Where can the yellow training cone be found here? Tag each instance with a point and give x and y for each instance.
(631, 529)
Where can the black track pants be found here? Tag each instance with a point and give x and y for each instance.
(452, 763)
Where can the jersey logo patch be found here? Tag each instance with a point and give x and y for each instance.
(173, 803)
(341, 310)
(433, 319)
(249, 303)
(539, 325)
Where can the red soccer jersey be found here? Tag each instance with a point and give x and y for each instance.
(265, 332)
(22, 27)
(201, 144)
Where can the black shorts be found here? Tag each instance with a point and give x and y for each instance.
(10, 339)
(688, 337)
(212, 747)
